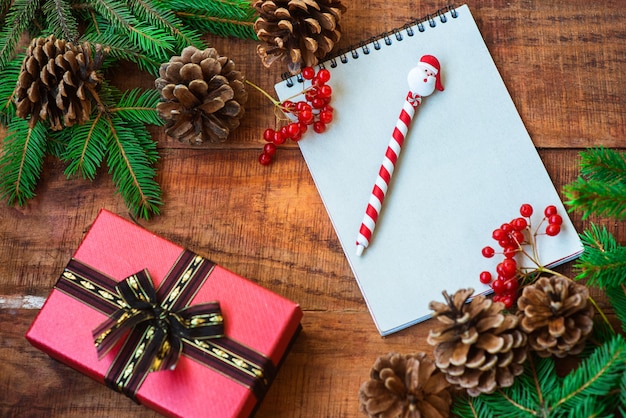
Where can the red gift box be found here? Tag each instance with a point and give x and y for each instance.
(217, 377)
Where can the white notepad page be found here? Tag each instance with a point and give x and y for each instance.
(466, 167)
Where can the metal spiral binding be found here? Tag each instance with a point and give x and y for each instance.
(387, 37)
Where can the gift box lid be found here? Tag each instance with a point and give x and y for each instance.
(255, 319)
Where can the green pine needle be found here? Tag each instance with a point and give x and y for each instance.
(21, 161)
(20, 16)
(617, 299)
(139, 106)
(221, 17)
(132, 169)
(61, 21)
(9, 76)
(589, 390)
(86, 146)
(603, 261)
(601, 188)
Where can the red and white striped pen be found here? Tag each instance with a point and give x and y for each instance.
(423, 80)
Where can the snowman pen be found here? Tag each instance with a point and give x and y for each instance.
(422, 80)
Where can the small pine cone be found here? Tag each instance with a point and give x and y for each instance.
(58, 82)
(477, 346)
(202, 96)
(408, 386)
(300, 32)
(557, 315)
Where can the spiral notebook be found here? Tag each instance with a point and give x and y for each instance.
(466, 167)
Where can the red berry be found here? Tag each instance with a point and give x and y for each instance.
(518, 237)
(265, 158)
(485, 277)
(506, 227)
(323, 76)
(296, 137)
(508, 301)
(318, 103)
(269, 149)
(319, 127)
(289, 106)
(510, 252)
(507, 268)
(325, 91)
(326, 116)
(488, 252)
(498, 234)
(550, 210)
(268, 135)
(303, 127)
(555, 219)
(498, 286)
(300, 106)
(553, 230)
(497, 298)
(526, 210)
(306, 116)
(308, 73)
(279, 138)
(511, 285)
(519, 224)
(293, 129)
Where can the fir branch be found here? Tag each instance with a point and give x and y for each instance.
(139, 107)
(121, 49)
(603, 261)
(60, 20)
(617, 299)
(86, 145)
(601, 187)
(9, 76)
(162, 17)
(221, 17)
(132, 170)
(18, 19)
(593, 196)
(597, 376)
(21, 161)
(603, 164)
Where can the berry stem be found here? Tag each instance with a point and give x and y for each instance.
(266, 94)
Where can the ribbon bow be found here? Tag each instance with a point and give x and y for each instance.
(158, 328)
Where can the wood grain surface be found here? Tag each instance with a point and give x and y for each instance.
(563, 62)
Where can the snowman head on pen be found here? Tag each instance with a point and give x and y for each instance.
(425, 78)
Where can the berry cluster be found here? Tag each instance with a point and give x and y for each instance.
(513, 238)
(314, 110)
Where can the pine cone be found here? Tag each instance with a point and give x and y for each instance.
(555, 313)
(58, 82)
(202, 96)
(477, 346)
(405, 387)
(300, 32)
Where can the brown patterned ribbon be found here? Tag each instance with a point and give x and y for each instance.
(162, 325)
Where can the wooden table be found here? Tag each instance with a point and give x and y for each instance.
(563, 62)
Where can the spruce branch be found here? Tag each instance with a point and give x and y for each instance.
(61, 21)
(86, 145)
(603, 261)
(222, 17)
(138, 106)
(21, 161)
(589, 390)
(132, 168)
(601, 187)
(18, 19)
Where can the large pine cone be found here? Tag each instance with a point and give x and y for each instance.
(300, 32)
(58, 82)
(477, 346)
(557, 315)
(202, 95)
(408, 386)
